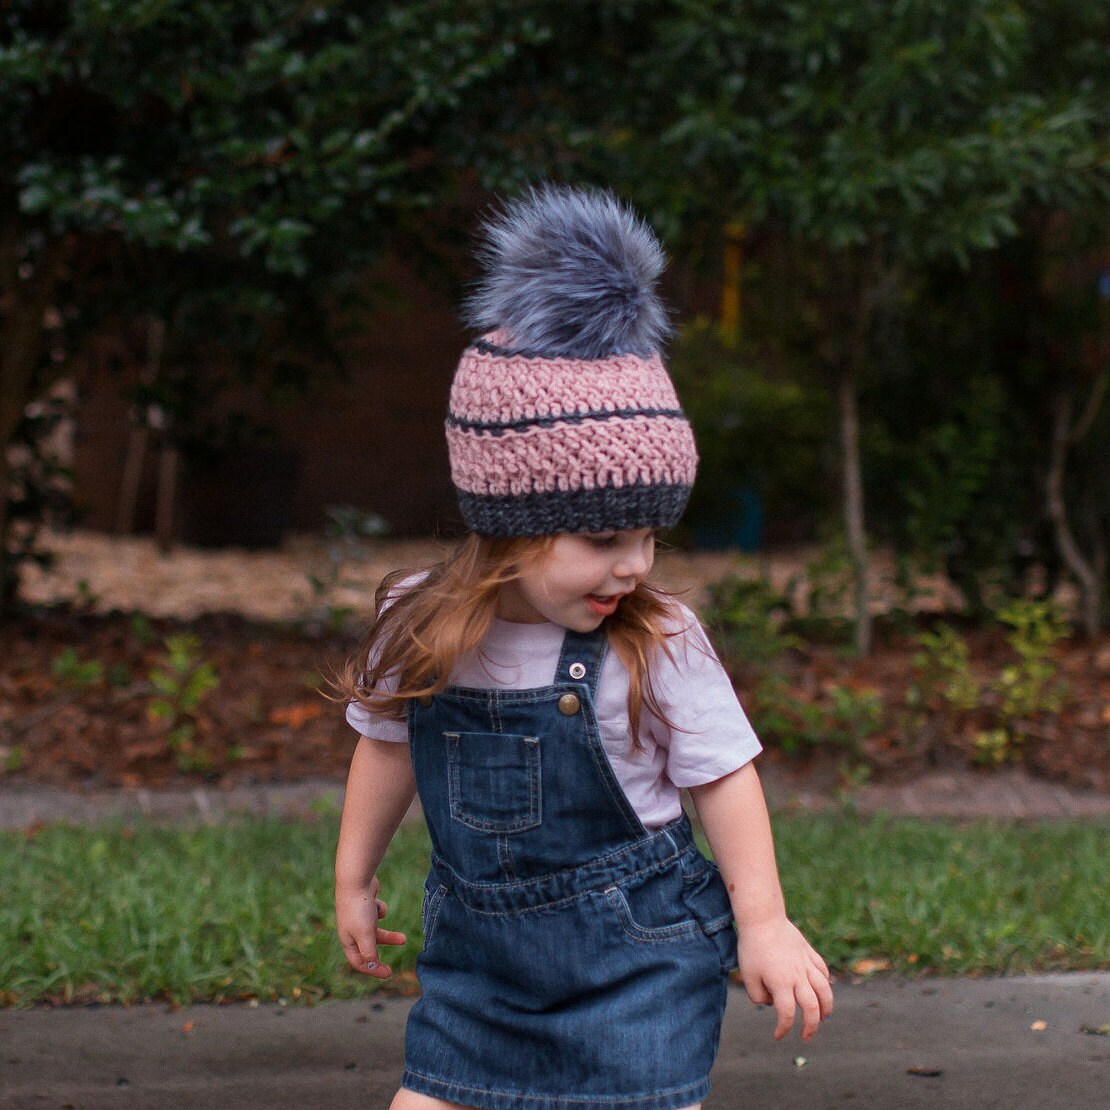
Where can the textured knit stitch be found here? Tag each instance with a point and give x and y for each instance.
(503, 387)
(571, 455)
(540, 441)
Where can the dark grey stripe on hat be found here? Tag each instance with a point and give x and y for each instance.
(547, 513)
(500, 427)
(485, 347)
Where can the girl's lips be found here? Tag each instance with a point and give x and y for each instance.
(603, 606)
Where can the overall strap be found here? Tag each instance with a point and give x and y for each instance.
(581, 658)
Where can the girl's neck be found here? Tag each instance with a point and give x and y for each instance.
(512, 607)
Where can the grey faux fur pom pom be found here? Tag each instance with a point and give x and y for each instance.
(571, 274)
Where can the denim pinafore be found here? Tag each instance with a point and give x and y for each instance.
(572, 958)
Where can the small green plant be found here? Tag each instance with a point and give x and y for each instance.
(822, 612)
(993, 746)
(843, 716)
(779, 715)
(77, 674)
(181, 684)
(347, 534)
(119, 676)
(907, 591)
(995, 713)
(11, 759)
(747, 615)
(855, 714)
(1030, 685)
(942, 673)
(140, 627)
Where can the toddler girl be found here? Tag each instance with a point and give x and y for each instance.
(548, 704)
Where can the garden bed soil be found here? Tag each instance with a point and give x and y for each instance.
(267, 719)
(90, 694)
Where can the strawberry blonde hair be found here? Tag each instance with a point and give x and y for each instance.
(424, 625)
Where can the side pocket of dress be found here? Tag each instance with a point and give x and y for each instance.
(705, 894)
(429, 911)
(650, 934)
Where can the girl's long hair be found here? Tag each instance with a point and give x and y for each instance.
(426, 620)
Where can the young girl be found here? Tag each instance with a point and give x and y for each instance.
(548, 704)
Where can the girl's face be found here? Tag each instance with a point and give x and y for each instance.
(578, 580)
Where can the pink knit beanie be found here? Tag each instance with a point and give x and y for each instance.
(562, 418)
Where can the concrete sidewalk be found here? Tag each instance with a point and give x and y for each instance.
(1029, 1043)
(1008, 792)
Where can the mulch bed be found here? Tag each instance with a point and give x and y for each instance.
(264, 721)
(78, 706)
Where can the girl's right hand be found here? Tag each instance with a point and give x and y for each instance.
(357, 914)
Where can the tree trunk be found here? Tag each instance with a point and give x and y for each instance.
(854, 518)
(139, 435)
(1086, 576)
(866, 282)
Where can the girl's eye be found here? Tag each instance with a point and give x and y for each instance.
(607, 540)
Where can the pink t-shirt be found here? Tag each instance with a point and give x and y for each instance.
(711, 738)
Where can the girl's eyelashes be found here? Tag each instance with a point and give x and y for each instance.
(610, 539)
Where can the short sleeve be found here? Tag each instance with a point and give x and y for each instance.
(360, 716)
(368, 723)
(709, 735)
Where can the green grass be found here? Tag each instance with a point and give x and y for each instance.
(951, 899)
(244, 911)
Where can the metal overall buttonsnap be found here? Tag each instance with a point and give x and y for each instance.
(578, 670)
(425, 699)
(569, 704)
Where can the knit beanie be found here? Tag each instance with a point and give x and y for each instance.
(562, 417)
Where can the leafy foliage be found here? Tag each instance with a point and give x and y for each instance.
(922, 125)
(38, 489)
(995, 711)
(759, 426)
(223, 169)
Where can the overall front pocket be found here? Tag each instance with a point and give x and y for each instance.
(494, 781)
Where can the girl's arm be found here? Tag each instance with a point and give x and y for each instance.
(776, 961)
(380, 789)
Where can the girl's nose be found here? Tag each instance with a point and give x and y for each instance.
(636, 561)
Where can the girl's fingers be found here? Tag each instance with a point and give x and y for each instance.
(757, 992)
(824, 995)
(810, 1006)
(822, 968)
(387, 936)
(362, 956)
(785, 1008)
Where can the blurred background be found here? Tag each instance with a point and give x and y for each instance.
(233, 242)
(235, 239)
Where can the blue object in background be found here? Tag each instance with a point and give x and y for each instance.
(739, 523)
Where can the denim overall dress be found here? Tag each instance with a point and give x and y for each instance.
(572, 958)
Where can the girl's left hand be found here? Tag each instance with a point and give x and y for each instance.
(357, 916)
(781, 968)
